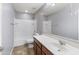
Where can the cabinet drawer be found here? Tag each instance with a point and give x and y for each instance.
(38, 43)
(46, 51)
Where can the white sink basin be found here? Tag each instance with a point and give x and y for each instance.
(66, 49)
(54, 46)
(63, 49)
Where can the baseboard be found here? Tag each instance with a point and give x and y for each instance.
(19, 43)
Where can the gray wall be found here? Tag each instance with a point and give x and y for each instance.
(7, 28)
(65, 22)
(39, 20)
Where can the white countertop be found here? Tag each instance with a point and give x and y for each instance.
(52, 44)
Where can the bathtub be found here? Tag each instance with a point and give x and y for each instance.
(22, 42)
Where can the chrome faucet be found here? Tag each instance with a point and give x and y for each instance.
(61, 43)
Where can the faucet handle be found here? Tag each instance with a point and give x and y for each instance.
(61, 43)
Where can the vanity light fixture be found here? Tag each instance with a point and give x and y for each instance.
(51, 4)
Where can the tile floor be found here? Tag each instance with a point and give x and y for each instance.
(23, 50)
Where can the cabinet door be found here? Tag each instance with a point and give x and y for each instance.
(43, 53)
(38, 51)
(46, 51)
(35, 48)
(38, 43)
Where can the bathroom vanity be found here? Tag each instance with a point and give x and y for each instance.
(40, 49)
(45, 45)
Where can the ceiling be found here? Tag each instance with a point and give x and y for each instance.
(34, 7)
(31, 7)
(49, 9)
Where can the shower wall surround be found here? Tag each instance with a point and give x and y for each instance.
(23, 29)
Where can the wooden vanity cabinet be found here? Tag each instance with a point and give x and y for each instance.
(43, 53)
(40, 49)
(46, 51)
(37, 48)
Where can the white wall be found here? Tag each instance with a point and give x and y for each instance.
(35, 26)
(47, 27)
(39, 20)
(43, 24)
(7, 28)
(23, 29)
(20, 15)
(65, 22)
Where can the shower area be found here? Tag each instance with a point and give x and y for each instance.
(25, 26)
(23, 29)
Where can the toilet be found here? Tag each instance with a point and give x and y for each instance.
(29, 42)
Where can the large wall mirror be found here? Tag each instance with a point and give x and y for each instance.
(63, 18)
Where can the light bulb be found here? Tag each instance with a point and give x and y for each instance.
(51, 4)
